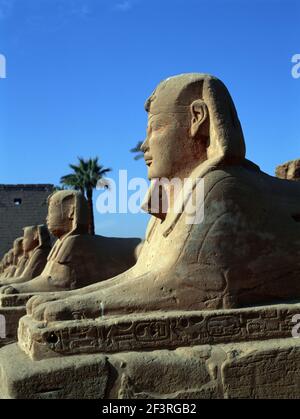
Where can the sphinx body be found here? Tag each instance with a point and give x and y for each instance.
(246, 249)
(239, 256)
(14, 258)
(21, 265)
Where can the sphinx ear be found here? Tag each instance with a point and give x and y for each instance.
(36, 235)
(199, 113)
(71, 212)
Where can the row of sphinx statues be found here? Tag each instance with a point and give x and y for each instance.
(245, 252)
(28, 256)
(76, 259)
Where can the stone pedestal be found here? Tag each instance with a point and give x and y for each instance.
(241, 353)
(11, 317)
(12, 308)
(268, 369)
(155, 330)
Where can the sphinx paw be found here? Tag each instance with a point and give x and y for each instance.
(38, 312)
(8, 290)
(52, 311)
(38, 300)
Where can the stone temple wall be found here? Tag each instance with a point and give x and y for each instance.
(21, 206)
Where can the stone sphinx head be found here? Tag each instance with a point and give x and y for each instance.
(35, 237)
(30, 238)
(18, 248)
(67, 213)
(192, 121)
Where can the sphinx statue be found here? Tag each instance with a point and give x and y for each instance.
(77, 259)
(17, 255)
(214, 286)
(8, 264)
(244, 252)
(35, 249)
(23, 260)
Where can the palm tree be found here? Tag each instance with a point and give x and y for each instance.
(138, 151)
(85, 177)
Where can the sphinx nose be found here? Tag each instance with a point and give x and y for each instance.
(145, 146)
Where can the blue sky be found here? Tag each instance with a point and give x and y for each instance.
(79, 71)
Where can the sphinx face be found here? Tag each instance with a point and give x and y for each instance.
(30, 240)
(168, 148)
(18, 248)
(174, 144)
(58, 220)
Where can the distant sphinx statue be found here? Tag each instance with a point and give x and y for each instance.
(14, 258)
(77, 259)
(246, 250)
(18, 253)
(23, 260)
(35, 249)
(8, 264)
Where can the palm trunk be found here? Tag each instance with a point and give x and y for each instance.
(91, 212)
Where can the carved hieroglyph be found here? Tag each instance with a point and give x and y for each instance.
(151, 331)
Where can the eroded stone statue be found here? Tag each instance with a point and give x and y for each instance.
(17, 252)
(246, 250)
(8, 264)
(32, 255)
(77, 259)
(22, 259)
(198, 286)
(289, 170)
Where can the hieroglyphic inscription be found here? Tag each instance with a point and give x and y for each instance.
(161, 331)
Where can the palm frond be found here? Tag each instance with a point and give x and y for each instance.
(137, 149)
(85, 174)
